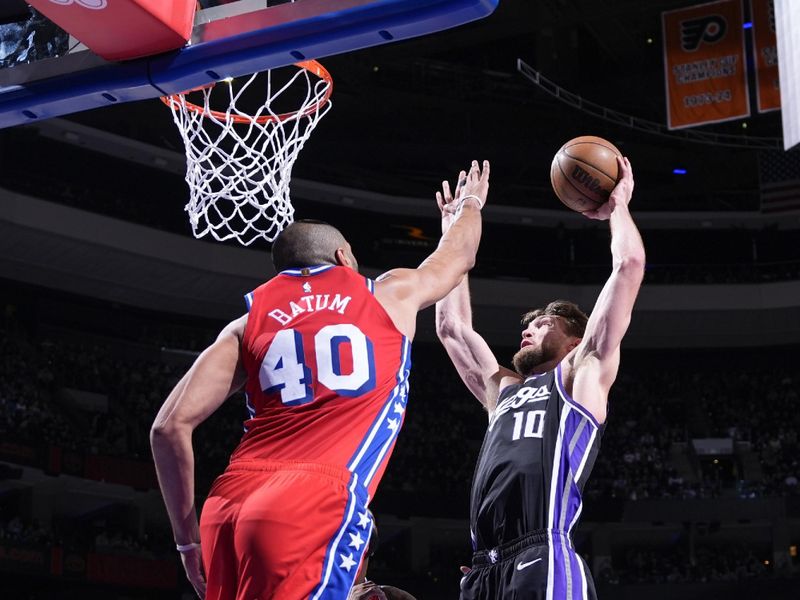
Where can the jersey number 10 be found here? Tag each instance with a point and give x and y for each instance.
(533, 421)
(283, 367)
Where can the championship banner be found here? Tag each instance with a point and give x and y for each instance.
(704, 64)
(765, 47)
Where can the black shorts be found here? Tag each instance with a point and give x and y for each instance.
(521, 570)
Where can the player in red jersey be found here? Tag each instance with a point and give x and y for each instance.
(323, 355)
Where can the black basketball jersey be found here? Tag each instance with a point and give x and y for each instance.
(536, 457)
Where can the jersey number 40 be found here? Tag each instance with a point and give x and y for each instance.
(284, 368)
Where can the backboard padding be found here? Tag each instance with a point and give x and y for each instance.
(226, 42)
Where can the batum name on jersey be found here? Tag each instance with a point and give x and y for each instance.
(327, 372)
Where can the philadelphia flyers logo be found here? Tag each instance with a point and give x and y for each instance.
(710, 30)
(92, 4)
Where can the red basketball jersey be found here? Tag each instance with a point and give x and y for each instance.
(327, 373)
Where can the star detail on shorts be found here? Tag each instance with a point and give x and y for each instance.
(307, 287)
(363, 519)
(356, 541)
(393, 424)
(347, 562)
(398, 408)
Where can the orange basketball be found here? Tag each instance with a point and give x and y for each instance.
(584, 171)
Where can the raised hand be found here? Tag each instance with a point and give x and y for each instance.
(447, 203)
(475, 183)
(620, 195)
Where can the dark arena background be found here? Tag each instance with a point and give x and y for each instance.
(105, 300)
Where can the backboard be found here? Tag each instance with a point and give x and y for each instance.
(46, 73)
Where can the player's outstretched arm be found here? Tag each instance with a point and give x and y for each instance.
(596, 359)
(471, 355)
(216, 374)
(473, 359)
(403, 292)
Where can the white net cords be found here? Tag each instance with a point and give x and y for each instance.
(239, 165)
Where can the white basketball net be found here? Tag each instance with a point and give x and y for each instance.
(239, 165)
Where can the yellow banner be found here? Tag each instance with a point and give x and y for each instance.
(765, 47)
(704, 64)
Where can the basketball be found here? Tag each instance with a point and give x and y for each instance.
(584, 171)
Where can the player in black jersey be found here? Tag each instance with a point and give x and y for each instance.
(545, 421)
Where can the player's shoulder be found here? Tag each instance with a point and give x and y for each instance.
(396, 282)
(236, 327)
(566, 368)
(507, 382)
(505, 385)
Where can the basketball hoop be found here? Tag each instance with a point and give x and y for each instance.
(239, 161)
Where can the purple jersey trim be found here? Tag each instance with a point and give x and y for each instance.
(568, 399)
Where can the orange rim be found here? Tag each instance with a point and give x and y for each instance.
(309, 65)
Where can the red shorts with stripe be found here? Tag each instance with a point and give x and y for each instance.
(283, 531)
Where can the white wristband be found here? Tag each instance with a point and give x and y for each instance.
(187, 547)
(460, 204)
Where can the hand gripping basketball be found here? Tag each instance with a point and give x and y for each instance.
(620, 195)
(584, 171)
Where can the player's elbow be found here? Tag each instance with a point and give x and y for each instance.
(447, 328)
(165, 427)
(160, 431)
(469, 263)
(631, 266)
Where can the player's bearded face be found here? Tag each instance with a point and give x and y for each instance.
(529, 357)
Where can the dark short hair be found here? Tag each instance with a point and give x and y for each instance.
(306, 243)
(574, 318)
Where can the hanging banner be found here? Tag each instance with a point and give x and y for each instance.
(704, 65)
(765, 47)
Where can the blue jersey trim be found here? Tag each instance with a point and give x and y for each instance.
(347, 547)
(250, 409)
(370, 453)
(248, 300)
(311, 270)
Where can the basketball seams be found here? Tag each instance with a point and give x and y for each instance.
(577, 189)
(613, 150)
(592, 140)
(572, 186)
(593, 166)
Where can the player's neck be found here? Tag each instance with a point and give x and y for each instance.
(543, 368)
